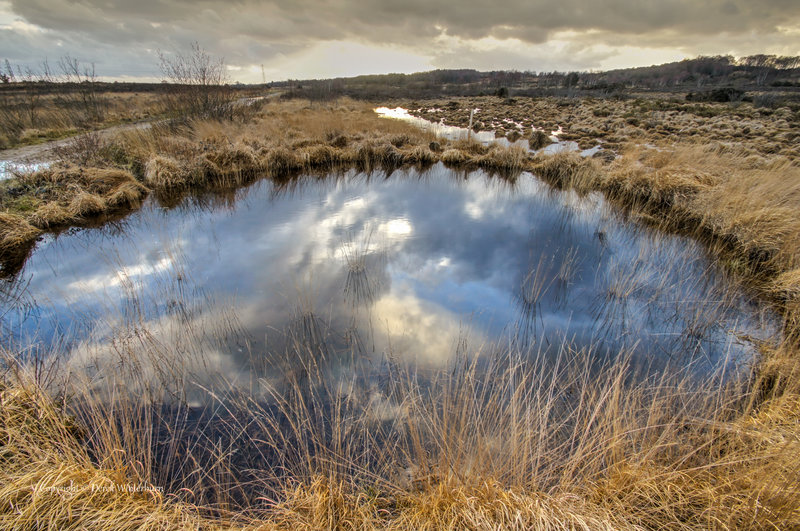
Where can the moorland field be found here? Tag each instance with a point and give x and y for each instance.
(706, 149)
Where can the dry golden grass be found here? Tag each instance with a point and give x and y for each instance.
(48, 480)
(86, 204)
(126, 194)
(49, 215)
(455, 157)
(513, 159)
(163, 172)
(538, 140)
(286, 138)
(322, 504)
(661, 178)
(66, 196)
(757, 206)
(726, 198)
(581, 451)
(567, 170)
(741, 477)
(15, 232)
(785, 289)
(31, 119)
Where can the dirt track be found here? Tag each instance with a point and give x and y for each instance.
(44, 152)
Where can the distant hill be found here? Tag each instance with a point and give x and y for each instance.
(701, 76)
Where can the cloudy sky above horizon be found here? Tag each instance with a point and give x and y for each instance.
(304, 39)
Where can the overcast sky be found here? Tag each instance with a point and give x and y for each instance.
(318, 38)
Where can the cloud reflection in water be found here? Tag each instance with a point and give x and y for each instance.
(407, 267)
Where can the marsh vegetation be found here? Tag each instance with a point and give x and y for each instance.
(336, 397)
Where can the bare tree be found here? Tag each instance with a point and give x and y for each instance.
(7, 74)
(28, 76)
(198, 82)
(21, 112)
(84, 79)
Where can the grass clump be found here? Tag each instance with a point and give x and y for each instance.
(164, 172)
(86, 204)
(538, 140)
(513, 158)
(565, 170)
(50, 215)
(48, 479)
(455, 157)
(15, 232)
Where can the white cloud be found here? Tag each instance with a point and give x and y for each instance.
(344, 59)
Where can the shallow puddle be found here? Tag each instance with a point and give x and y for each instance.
(10, 169)
(486, 137)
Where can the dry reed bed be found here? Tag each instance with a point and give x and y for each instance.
(668, 454)
(50, 480)
(580, 449)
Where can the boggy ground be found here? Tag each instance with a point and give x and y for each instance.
(613, 124)
(670, 454)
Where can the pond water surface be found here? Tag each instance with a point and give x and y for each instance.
(417, 267)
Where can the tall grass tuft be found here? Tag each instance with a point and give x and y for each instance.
(15, 232)
(567, 170)
(50, 479)
(163, 172)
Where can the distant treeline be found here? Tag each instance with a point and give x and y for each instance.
(699, 76)
(716, 78)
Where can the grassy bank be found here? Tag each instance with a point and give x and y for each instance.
(464, 448)
(472, 447)
(468, 448)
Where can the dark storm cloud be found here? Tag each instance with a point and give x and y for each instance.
(124, 35)
(404, 21)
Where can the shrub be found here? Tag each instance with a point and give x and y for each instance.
(198, 84)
